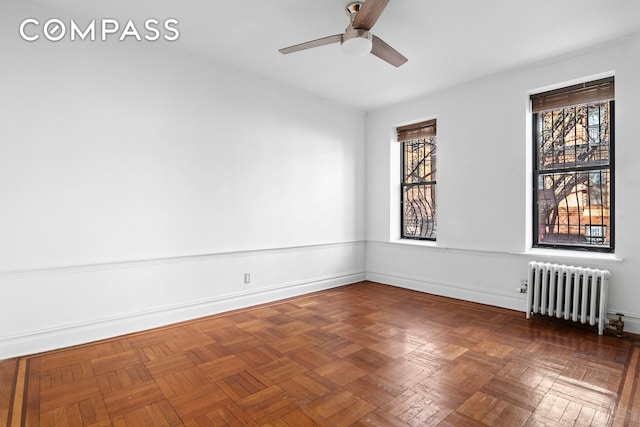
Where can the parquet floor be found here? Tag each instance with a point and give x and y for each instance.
(360, 355)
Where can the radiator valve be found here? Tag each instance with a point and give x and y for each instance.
(524, 287)
(618, 324)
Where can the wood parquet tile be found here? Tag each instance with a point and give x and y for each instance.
(8, 382)
(360, 355)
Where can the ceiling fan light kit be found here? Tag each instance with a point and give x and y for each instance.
(356, 42)
(357, 39)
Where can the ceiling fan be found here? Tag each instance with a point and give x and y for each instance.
(357, 38)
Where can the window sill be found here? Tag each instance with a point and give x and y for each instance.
(550, 255)
(567, 255)
(416, 242)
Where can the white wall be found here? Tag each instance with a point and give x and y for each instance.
(138, 186)
(483, 244)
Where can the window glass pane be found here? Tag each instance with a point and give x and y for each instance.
(573, 137)
(419, 211)
(420, 160)
(573, 207)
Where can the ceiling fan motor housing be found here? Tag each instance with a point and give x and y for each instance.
(352, 8)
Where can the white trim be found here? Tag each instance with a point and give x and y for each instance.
(507, 300)
(32, 342)
(568, 255)
(513, 301)
(136, 263)
(431, 245)
(559, 255)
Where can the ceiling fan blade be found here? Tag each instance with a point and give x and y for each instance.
(385, 52)
(368, 14)
(310, 44)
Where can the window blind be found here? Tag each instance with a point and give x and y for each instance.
(583, 93)
(420, 130)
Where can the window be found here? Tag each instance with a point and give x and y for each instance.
(418, 195)
(573, 134)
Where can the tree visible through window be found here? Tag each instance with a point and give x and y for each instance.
(418, 195)
(573, 167)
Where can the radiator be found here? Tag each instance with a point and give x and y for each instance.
(571, 293)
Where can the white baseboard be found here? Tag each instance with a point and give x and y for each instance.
(49, 339)
(513, 301)
(50, 308)
(119, 298)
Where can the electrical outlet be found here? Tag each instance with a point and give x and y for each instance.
(247, 278)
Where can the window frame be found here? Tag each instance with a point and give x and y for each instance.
(537, 172)
(407, 134)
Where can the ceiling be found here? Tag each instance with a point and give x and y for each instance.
(447, 41)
